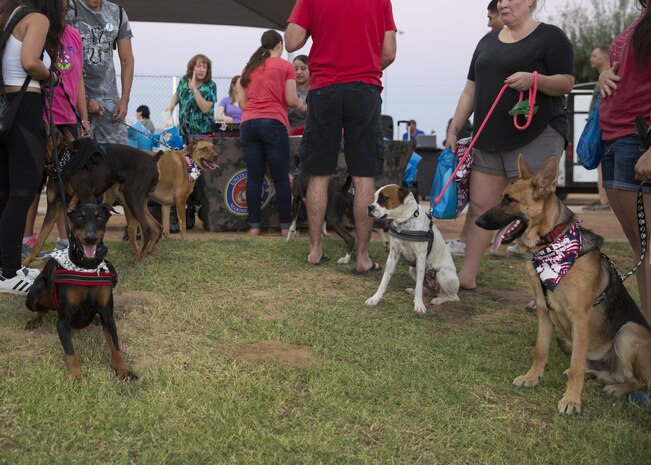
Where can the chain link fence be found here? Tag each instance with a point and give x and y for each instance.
(156, 92)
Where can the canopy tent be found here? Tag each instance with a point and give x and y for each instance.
(270, 14)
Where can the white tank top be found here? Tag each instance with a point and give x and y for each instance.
(13, 73)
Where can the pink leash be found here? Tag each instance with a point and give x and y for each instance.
(532, 103)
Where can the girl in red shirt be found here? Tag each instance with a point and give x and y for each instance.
(265, 90)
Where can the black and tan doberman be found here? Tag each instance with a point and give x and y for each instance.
(78, 284)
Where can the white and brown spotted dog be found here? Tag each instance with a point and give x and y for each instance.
(414, 236)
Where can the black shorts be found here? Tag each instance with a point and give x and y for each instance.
(355, 108)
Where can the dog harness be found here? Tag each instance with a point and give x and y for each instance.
(554, 261)
(414, 236)
(67, 272)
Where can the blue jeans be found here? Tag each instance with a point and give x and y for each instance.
(618, 164)
(265, 140)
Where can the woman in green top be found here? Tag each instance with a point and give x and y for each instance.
(196, 95)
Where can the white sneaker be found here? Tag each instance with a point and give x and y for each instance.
(21, 283)
(457, 248)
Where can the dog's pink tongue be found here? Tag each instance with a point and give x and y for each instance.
(90, 250)
(497, 241)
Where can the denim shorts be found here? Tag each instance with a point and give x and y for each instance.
(618, 164)
(355, 108)
(536, 152)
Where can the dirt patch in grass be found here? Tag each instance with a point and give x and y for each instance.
(26, 344)
(125, 303)
(289, 355)
(519, 298)
(270, 313)
(450, 312)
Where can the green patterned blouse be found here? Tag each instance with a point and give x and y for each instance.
(189, 110)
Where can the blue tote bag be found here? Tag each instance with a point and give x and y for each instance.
(590, 147)
(446, 209)
(411, 171)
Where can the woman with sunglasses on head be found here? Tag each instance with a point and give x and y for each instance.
(510, 56)
(26, 54)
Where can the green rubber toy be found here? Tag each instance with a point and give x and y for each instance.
(522, 108)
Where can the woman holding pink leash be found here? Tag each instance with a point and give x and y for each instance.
(529, 57)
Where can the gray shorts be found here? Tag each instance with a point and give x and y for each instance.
(536, 152)
(104, 129)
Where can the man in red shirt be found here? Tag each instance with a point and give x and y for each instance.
(353, 42)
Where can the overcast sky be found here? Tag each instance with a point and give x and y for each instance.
(435, 44)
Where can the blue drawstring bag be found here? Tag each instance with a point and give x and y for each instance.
(172, 138)
(590, 147)
(411, 171)
(446, 209)
(138, 137)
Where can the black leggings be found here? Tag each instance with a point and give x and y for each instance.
(22, 161)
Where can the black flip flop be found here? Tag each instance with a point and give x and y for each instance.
(324, 259)
(374, 267)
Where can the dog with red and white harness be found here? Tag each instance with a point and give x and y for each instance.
(413, 235)
(78, 284)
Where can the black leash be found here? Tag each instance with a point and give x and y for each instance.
(641, 225)
(58, 163)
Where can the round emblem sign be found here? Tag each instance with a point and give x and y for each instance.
(235, 193)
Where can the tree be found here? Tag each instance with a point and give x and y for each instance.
(588, 26)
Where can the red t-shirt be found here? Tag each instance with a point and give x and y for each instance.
(617, 113)
(347, 39)
(265, 94)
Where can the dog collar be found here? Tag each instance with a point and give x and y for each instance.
(554, 261)
(414, 215)
(54, 168)
(551, 236)
(194, 171)
(62, 258)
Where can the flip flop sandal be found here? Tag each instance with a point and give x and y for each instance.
(324, 259)
(374, 267)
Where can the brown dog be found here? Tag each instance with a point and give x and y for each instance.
(586, 300)
(174, 182)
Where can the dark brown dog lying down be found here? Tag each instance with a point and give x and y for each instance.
(577, 290)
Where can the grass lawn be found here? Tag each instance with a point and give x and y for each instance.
(248, 355)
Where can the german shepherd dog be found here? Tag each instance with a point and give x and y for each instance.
(610, 339)
(78, 284)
